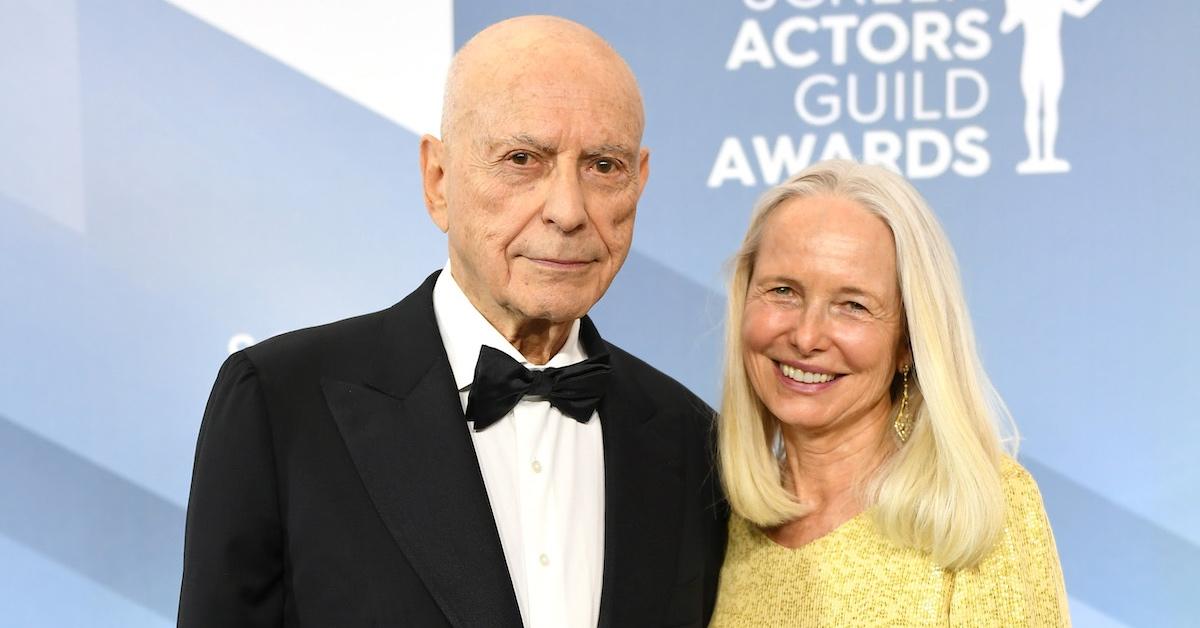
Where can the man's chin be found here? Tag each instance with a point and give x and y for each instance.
(558, 308)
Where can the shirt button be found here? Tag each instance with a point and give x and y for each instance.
(544, 560)
(537, 466)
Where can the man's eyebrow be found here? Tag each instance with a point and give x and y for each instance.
(612, 149)
(523, 139)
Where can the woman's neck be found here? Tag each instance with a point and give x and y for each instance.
(828, 470)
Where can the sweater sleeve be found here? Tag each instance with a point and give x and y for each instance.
(1020, 583)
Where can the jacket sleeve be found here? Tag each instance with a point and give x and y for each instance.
(233, 556)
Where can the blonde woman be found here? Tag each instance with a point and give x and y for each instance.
(859, 441)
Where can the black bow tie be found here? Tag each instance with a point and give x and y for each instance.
(500, 382)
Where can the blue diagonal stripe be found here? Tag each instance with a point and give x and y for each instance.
(1117, 561)
(89, 519)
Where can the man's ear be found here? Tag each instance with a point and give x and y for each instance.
(433, 180)
(643, 169)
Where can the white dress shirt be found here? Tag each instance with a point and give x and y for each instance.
(544, 474)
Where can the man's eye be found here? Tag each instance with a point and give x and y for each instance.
(605, 166)
(520, 158)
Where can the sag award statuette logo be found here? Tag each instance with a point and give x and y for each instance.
(1042, 74)
(902, 87)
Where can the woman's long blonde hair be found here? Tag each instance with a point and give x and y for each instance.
(940, 491)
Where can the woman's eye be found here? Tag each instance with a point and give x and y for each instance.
(781, 291)
(856, 306)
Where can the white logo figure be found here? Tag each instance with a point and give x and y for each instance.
(1042, 74)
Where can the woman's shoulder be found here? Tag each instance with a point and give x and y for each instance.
(1010, 469)
(1021, 577)
(1020, 489)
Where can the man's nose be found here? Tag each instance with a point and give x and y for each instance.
(565, 205)
(810, 332)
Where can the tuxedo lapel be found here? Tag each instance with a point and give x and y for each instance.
(405, 431)
(643, 492)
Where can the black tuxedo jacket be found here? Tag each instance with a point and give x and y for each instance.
(336, 486)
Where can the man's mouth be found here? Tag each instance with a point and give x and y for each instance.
(559, 263)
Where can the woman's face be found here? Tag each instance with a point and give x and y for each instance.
(822, 326)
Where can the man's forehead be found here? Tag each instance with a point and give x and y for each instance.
(593, 123)
(598, 93)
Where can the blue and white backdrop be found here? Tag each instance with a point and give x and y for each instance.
(179, 179)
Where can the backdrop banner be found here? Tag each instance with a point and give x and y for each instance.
(180, 179)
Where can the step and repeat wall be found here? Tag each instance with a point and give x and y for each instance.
(182, 179)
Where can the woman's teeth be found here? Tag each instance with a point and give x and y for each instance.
(805, 376)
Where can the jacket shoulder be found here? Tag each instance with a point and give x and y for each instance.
(352, 339)
(347, 337)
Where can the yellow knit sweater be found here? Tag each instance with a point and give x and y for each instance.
(853, 576)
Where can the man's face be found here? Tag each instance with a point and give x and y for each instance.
(538, 190)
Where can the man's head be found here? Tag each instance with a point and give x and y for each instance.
(538, 172)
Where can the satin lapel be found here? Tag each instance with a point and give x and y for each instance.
(418, 464)
(643, 493)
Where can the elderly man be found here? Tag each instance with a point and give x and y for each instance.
(475, 455)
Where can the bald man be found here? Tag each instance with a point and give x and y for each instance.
(475, 455)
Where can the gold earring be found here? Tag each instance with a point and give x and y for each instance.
(903, 424)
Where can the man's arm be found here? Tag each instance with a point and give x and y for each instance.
(233, 557)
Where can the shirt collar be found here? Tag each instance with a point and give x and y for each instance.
(464, 330)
